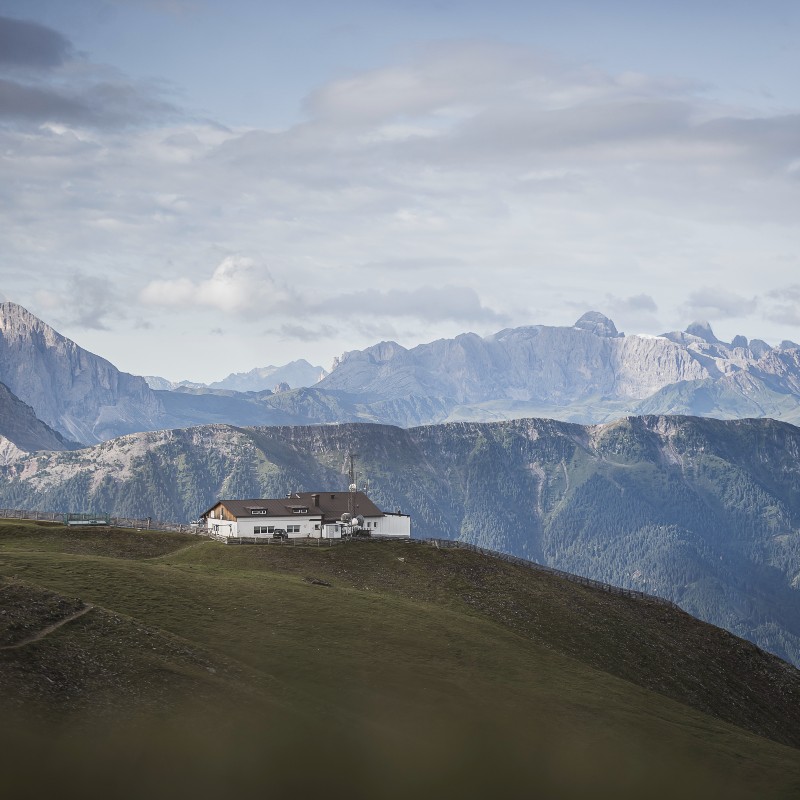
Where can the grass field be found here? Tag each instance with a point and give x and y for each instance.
(236, 672)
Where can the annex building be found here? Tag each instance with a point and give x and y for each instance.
(304, 515)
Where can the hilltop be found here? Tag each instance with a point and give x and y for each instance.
(703, 512)
(428, 662)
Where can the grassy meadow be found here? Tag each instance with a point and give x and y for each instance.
(367, 669)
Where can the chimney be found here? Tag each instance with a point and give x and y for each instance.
(315, 500)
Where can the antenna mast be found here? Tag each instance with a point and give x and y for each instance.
(351, 500)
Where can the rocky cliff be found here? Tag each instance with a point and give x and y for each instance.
(588, 372)
(77, 393)
(21, 431)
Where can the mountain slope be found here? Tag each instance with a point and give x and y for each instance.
(439, 670)
(703, 512)
(20, 426)
(77, 393)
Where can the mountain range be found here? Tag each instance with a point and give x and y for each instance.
(587, 373)
(703, 512)
(295, 374)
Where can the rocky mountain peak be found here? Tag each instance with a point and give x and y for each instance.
(80, 395)
(598, 324)
(12, 315)
(702, 330)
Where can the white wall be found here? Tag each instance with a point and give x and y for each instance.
(388, 525)
(393, 525)
(222, 527)
(248, 524)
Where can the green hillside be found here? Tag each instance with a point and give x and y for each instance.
(171, 664)
(703, 512)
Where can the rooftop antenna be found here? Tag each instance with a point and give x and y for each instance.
(351, 499)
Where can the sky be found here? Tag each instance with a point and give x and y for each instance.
(191, 188)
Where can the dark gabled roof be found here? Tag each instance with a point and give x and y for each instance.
(331, 505)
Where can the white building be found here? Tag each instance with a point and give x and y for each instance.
(302, 515)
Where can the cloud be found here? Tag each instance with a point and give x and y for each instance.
(306, 333)
(716, 303)
(638, 303)
(18, 101)
(100, 104)
(83, 301)
(783, 305)
(476, 185)
(451, 303)
(29, 44)
(444, 77)
(238, 285)
(50, 84)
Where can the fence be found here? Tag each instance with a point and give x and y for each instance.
(533, 565)
(115, 522)
(148, 524)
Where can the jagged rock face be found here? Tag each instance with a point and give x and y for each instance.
(588, 372)
(79, 394)
(296, 374)
(702, 330)
(20, 426)
(539, 363)
(702, 511)
(598, 324)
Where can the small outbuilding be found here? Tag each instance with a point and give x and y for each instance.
(304, 515)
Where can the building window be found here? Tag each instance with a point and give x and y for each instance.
(292, 529)
(300, 511)
(255, 511)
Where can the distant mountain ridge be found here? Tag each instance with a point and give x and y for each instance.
(297, 374)
(587, 373)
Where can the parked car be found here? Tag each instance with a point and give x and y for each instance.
(280, 533)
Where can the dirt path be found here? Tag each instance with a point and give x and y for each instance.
(48, 630)
(171, 553)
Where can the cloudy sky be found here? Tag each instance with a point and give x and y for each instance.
(195, 187)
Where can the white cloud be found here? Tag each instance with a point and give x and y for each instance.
(523, 184)
(452, 303)
(237, 285)
(719, 303)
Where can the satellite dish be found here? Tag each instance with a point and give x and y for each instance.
(353, 487)
(358, 521)
(346, 517)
